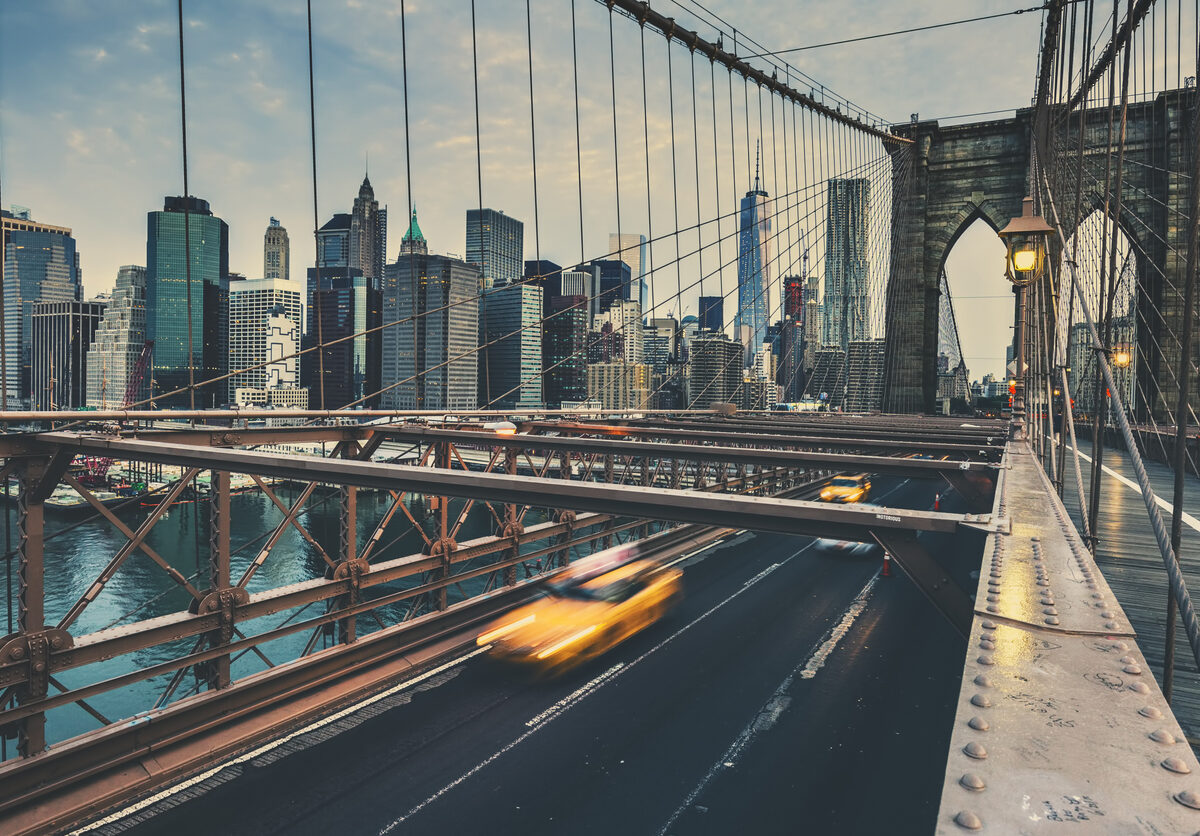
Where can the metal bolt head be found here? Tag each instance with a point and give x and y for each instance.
(1128, 660)
(1050, 611)
(968, 821)
(1162, 736)
(1139, 687)
(1188, 798)
(988, 624)
(1151, 712)
(992, 608)
(1120, 646)
(1176, 765)
(987, 645)
(1110, 625)
(979, 724)
(981, 701)
(1132, 670)
(985, 659)
(983, 681)
(972, 782)
(975, 750)
(1051, 619)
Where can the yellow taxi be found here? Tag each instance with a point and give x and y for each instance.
(844, 488)
(587, 609)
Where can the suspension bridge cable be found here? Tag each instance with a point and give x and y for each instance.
(312, 125)
(187, 211)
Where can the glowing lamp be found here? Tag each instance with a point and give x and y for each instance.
(1024, 238)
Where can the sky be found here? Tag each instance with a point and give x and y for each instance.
(90, 121)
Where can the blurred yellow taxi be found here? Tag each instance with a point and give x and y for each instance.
(592, 606)
(847, 489)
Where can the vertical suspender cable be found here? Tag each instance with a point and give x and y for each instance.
(487, 355)
(187, 236)
(418, 376)
(674, 177)
(537, 239)
(578, 135)
(649, 214)
(315, 302)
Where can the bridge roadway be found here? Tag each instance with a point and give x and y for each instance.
(793, 688)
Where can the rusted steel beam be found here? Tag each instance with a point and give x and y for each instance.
(31, 612)
(777, 440)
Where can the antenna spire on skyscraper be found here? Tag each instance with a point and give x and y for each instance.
(757, 149)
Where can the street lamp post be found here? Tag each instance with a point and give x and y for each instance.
(1025, 241)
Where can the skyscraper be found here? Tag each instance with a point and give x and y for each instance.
(118, 342)
(344, 315)
(368, 235)
(846, 315)
(510, 357)
(712, 313)
(431, 342)
(564, 351)
(40, 264)
(631, 248)
(583, 280)
(276, 252)
(168, 300)
(716, 371)
(255, 338)
(62, 333)
(496, 243)
(626, 321)
(754, 269)
(616, 284)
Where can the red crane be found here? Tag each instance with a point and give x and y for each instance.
(97, 468)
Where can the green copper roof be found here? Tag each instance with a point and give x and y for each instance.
(414, 229)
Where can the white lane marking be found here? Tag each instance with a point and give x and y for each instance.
(818, 659)
(558, 709)
(275, 744)
(1132, 485)
(778, 703)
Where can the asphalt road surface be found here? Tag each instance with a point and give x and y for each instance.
(794, 691)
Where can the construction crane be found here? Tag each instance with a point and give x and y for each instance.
(97, 467)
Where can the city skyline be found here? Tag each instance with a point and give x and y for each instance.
(109, 111)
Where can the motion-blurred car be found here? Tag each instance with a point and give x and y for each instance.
(591, 607)
(846, 548)
(854, 488)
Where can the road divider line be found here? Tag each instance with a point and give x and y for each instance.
(562, 706)
(778, 703)
(275, 744)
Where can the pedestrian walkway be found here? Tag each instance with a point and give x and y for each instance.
(1128, 555)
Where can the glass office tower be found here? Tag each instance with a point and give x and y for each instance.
(167, 301)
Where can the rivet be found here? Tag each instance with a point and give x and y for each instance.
(1132, 670)
(987, 637)
(1050, 619)
(1048, 601)
(993, 597)
(1139, 687)
(987, 624)
(985, 660)
(992, 608)
(1097, 595)
(979, 724)
(987, 645)
(1162, 736)
(1120, 646)
(1050, 611)
(1175, 765)
(983, 681)
(981, 701)
(971, 781)
(1043, 582)
(975, 750)
(968, 821)
(1110, 625)
(1151, 712)
(1187, 798)
(1107, 615)
(1128, 660)
(1035, 539)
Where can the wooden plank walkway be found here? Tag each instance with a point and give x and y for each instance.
(1132, 564)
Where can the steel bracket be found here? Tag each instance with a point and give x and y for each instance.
(441, 547)
(224, 602)
(35, 649)
(352, 571)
